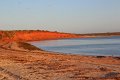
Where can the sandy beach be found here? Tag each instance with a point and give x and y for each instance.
(19, 63)
(59, 39)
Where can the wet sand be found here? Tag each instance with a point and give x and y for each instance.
(17, 63)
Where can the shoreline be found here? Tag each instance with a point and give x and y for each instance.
(77, 53)
(23, 61)
(38, 35)
(17, 63)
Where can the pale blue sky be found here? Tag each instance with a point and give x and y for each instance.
(76, 16)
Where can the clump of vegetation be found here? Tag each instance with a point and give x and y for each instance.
(27, 46)
(100, 56)
(103, 69)
(118, 58)
(111, 75)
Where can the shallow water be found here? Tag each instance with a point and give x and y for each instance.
(104, 46)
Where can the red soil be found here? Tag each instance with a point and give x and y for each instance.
(35, 35)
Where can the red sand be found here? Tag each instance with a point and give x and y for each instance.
(35, 35)
(19, 63)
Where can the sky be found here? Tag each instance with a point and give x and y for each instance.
(73, 16)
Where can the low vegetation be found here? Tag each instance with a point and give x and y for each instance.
(27, 46)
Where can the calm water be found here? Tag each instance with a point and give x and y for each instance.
(90, 46)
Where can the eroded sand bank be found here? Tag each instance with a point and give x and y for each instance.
(18, 63)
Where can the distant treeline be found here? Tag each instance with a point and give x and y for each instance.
(102, 34)
(25, 31)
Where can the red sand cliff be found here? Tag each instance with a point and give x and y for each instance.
(32, 35)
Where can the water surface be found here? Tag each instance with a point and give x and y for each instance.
(104, 46)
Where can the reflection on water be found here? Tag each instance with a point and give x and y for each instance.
(88, 46)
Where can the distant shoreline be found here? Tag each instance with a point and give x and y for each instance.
(23, 36)
(38, 35)
(23, 61)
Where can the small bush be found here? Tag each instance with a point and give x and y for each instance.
(100, 56)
